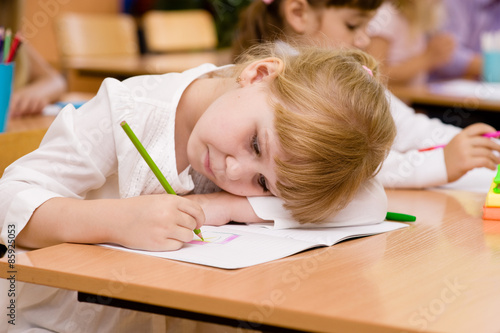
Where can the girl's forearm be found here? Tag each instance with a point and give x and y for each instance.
(222, 207)
(60, 220)
(406, 71)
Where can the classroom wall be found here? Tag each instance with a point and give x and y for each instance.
(39, 17)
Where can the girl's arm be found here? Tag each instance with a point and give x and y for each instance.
(45, 86)
(150, 222)
(400, 73)
(85, 154)
(222, 207)
(438, 52)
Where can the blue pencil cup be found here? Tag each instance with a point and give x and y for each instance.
(6, 83)
(491, 66)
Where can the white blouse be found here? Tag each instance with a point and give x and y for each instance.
(86, 154)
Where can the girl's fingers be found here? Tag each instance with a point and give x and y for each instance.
(182, 234)
(170, 245)
(193, 210)
(478, 129)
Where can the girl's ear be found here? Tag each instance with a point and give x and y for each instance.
(261, 70)
(297, 15)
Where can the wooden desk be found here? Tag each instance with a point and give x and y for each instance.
(147, 64)
(422, 95)
(29, 123)
(86, 73)
(442, 274)
(42, 122)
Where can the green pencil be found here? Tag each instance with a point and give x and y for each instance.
(152, 165)
(6, 45)
(400, 217)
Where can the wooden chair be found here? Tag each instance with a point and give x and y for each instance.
(84, 35)
(179, 30)
(93, 35)
(17, 144)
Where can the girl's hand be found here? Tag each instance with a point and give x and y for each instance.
(156, 222)
(469, 150)
(222, 207)
(440, 50)
(27, 101)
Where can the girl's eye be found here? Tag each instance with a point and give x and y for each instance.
(352, 27)
(256, 148)
(263, 183)
(255, 145)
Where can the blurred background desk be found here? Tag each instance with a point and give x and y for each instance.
(453, 108)
(423, 95)
(441, 274)
(83, 70)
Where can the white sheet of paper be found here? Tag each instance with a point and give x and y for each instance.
(468, 88)
(237, 246)
(476, 180)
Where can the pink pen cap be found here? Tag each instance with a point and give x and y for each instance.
(432, 148)
(492, 134)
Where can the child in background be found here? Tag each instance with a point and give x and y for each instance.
(467, 20)
(404, 40)
(36, 83)
(342, 23)
(310, 128)
(337, 23)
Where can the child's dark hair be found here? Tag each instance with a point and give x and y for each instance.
(261, 22)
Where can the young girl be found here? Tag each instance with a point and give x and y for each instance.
(310, 128)
(330, 23)
(343, 23)
(404, 39)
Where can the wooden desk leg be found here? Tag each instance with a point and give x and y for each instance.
(136, 306)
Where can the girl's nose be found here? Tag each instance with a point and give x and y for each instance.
(234, 169)
(361, 40)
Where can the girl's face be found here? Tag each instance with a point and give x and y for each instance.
(234, 142)
(340, 27)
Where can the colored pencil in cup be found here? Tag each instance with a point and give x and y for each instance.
(2, 37)
(486, 135)
(14, 47)
(152, 165)
(6, 44)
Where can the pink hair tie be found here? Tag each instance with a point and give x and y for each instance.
(366, 68)
(267, 2)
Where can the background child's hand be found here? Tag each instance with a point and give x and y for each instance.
(469, 150)
(440, 49)
(222, 207)
(27, 101)
(157, 222)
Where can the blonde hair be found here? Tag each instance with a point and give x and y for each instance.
(334, 125)
(423, 16)
(260, 22)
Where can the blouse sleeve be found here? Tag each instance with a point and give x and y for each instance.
(76, 155)
(369, 206)
(405, 167)
(385, 23)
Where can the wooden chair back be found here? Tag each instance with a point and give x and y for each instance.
(14, 145)
(179, 30)
(87, 35)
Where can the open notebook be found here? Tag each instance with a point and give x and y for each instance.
(239, 245)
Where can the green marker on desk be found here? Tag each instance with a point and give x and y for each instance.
(152, 165)
(400, 217)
